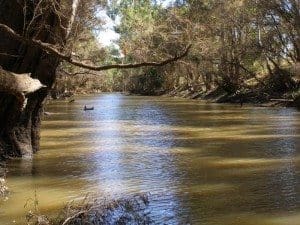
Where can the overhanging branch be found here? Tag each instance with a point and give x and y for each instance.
(50, 49)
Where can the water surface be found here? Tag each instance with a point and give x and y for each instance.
(202, 163)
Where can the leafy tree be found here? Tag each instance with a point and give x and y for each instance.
(35, 36)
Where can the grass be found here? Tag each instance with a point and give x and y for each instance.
(92, 211)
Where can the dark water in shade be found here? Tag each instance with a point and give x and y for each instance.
(202, 163)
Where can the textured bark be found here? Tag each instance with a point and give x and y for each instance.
(14, 83)
(37, 52)
(19, 130)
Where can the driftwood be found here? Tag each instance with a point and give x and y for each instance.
(282, 100)
(18, 85)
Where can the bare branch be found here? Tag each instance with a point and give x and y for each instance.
(84, 72)
(51, 49)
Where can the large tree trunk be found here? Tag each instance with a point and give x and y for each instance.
(20, 129)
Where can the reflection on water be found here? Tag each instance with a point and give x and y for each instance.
(202, 163)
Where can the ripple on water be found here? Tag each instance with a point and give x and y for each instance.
(202, 163)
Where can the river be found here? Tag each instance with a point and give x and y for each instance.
(200, 163)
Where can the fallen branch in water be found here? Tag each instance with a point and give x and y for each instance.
(69, 219)
(129, 210)
(51, 49)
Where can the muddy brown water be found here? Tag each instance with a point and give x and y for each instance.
(201, 163)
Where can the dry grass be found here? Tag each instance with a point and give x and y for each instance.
(131, 210)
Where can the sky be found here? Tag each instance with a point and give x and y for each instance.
(108, 36)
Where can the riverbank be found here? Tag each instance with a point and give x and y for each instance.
(252, 97)
(282, 89)
(255, 98)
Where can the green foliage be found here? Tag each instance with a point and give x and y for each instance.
(234, 42)
(148, 83)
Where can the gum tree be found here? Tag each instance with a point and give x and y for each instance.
(35, 36)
